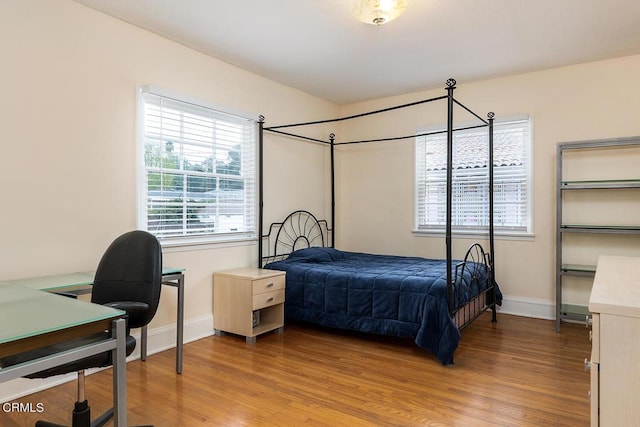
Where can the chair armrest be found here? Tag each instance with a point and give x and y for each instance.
(131, 307)
(137, 312)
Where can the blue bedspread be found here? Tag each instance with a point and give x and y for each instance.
(382, 294)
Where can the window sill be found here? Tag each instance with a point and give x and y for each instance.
(186, 244)
(498, 235)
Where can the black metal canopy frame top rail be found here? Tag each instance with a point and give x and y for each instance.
(451, 101)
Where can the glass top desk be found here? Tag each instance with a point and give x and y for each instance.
(34, 319)
(80, 283)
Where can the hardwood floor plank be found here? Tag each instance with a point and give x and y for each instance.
(518, 372)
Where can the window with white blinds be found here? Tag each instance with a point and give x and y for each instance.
(199, 171)
(470, 208)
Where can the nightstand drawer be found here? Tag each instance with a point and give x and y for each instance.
(268, 299)
(268, 284)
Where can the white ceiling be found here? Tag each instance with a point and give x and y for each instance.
(319, 48)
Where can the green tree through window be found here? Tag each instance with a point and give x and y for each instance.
(199, 170)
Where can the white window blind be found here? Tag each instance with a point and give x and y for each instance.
(199, 170)
(470, 210)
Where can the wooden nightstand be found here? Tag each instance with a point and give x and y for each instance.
(248, 302)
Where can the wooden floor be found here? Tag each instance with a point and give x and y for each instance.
(518, 372)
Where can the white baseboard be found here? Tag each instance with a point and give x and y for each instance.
(158, 339)
(528, 307)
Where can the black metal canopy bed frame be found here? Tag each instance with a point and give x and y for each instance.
(428, 300)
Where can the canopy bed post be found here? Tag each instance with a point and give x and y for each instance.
(491, 116)
(451, 85)
(332, 138)
(260, 186)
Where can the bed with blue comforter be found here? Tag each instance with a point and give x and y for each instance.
(380, 294)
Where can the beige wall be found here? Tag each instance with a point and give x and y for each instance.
(68, 165)
(589, 101)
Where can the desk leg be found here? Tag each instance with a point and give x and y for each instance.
(119, 357)
(143, 343)
(180, 324)
(177, 281)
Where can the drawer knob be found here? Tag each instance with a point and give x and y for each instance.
(270, 299)
(587, 365)
(270, 285)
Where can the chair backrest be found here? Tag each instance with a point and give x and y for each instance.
(131, 270)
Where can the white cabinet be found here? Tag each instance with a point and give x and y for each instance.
(615, 354)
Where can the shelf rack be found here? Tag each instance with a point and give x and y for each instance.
(574, 312)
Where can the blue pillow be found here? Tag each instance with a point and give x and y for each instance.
(317, 254)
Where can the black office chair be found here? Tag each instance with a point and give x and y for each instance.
(129, 277)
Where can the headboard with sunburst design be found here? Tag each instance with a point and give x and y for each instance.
(299, 230)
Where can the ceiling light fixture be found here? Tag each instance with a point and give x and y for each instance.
(378, 12)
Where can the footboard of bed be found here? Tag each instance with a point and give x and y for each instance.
(473, 309)
(476, 261)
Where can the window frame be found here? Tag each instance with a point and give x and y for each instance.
(240, 237)
(481, 232)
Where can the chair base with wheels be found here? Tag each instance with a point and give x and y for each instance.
(81, 415)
